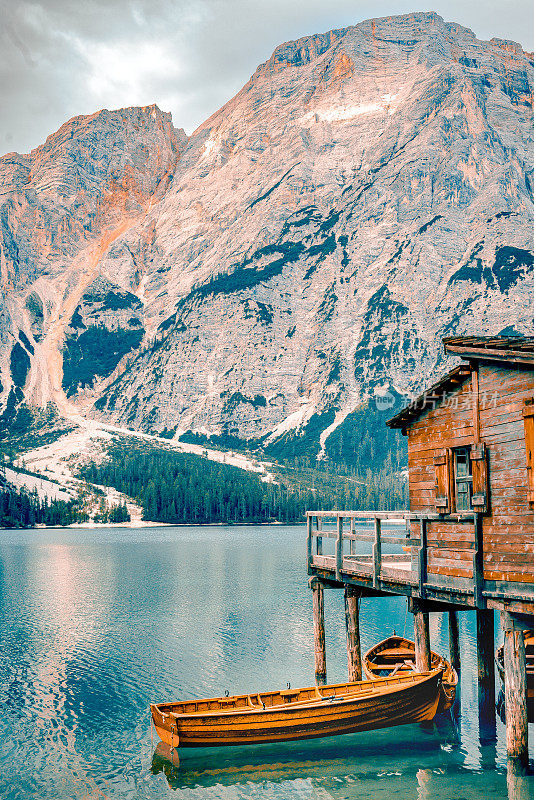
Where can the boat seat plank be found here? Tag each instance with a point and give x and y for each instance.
(401, 652)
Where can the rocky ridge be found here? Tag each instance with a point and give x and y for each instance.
(368, 191)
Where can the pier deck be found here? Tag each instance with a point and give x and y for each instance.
(390, 552)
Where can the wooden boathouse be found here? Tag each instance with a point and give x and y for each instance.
(467, 540)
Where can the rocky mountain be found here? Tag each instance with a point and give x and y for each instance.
(368, 191)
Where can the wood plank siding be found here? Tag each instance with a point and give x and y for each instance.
(509, 528)
(500, 483)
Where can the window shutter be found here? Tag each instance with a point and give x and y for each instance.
(528, 419)
(479, 469)
(442, 464)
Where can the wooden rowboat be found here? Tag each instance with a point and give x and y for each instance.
(529, 652)
(299, 713)
(396, 656)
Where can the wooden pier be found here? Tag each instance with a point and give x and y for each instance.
(467, 541)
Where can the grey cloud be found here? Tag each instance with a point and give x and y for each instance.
(59, 58)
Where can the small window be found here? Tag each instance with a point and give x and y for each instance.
(463, 478)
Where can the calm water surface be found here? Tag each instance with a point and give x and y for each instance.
(96, 624)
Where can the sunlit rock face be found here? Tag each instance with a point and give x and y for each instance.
(61, 207)
(368, 191)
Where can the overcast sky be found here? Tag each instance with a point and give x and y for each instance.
(60, 58)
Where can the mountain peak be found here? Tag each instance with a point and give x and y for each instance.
(398, 30)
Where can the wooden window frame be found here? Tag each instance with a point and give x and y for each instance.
(528, 420)
(466, 479)
(442, 471)
(446, 479)
(480, 498)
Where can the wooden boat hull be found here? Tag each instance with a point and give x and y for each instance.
(529, 652)
(331, 711)
(396, 655)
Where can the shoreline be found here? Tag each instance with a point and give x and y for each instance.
(146, 524)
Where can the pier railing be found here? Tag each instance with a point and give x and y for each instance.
(391, 546)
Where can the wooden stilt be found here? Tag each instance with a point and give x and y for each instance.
(486, 675)
(485, 647)
(515, 692)
(454, 640)
(318, 631)
(352, 621)
(421, 634)
(487, 720)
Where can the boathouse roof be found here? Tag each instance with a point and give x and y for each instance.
(428, 399)
(510, 349)
(505, 349)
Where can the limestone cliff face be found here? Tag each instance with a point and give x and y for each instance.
(61, 207)
(368, 191)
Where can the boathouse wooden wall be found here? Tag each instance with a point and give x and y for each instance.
(509, 529)
(508, 525)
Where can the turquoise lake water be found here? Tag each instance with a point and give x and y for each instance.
(96, 624)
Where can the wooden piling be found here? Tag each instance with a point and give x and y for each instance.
(352, 622)
(487, 719)
(515, 692)
(318, 631)
(486, 675)
(421, 634)
(454, 640)
(485, 647)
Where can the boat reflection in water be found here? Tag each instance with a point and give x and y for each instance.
(342, 767)
(336, 759)
(338, 767)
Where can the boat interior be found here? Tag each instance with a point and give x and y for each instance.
(309, 695)
(398, 654)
